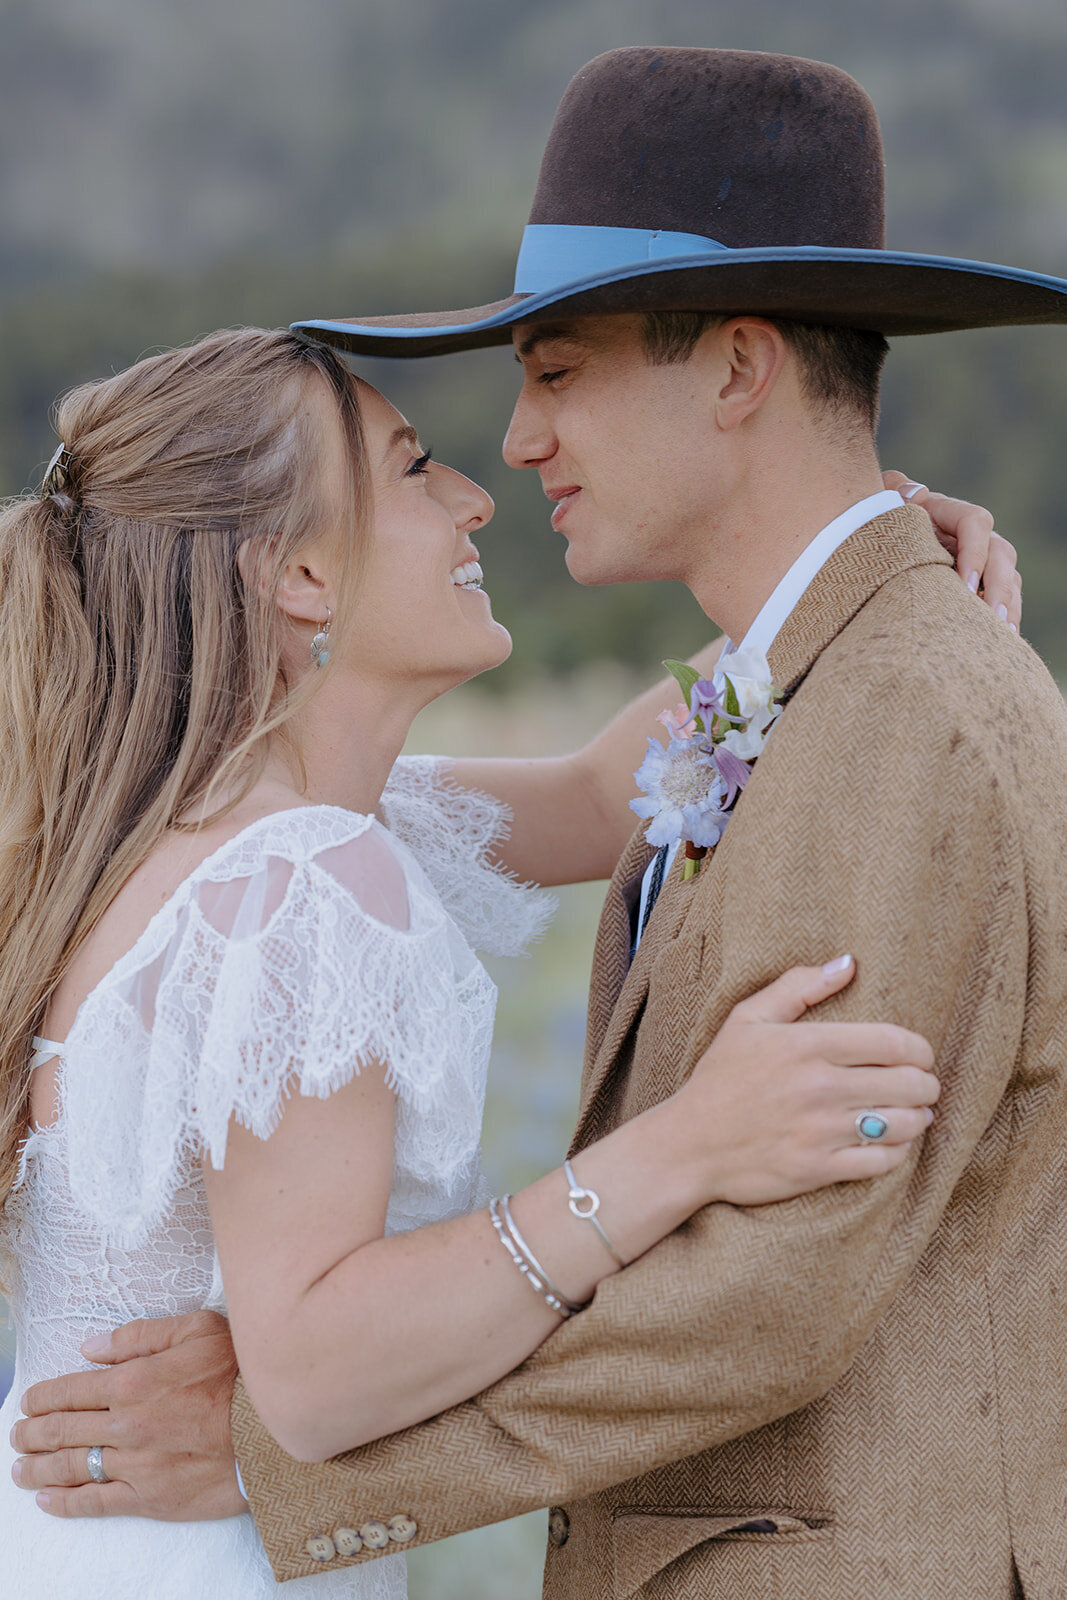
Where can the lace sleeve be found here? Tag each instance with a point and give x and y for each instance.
(451, 832)
(284, 971)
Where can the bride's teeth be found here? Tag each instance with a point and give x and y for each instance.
(468, 576)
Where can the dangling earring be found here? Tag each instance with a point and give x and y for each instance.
(320, 645)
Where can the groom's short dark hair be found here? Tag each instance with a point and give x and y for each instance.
(840, 367)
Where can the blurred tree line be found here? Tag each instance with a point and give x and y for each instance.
(167, 170)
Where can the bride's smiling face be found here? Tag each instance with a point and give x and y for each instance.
(419, 610)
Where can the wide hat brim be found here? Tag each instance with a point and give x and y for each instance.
(891, 292)
(715, 180)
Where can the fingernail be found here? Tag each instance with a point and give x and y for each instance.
(972, 583)
(96, 1346)
(11, 1438)
(832, 968)
(44, 1500)
(16, 1472)
(1013, 628)
(1002, 612)
(929, 1116)
(910, 490)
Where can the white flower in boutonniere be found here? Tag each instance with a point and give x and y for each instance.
(691, 787)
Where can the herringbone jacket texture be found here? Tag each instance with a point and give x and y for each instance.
(859, 1394)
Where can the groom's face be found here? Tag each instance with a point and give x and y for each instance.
(628, 450)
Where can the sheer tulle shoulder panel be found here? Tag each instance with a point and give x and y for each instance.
(369, 869)
(366, 867)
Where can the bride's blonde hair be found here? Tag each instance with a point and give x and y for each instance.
(138, 673)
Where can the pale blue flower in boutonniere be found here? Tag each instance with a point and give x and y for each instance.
(683, 794)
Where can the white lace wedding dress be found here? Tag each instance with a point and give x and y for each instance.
(313, 939)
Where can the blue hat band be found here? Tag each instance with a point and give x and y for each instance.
(552, 254)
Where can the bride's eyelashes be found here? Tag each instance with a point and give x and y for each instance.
(418, 467)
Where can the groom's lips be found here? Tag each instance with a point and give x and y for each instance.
(565, 498)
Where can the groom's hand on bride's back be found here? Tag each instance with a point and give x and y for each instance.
(159, 1405)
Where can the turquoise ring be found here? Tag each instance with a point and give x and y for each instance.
(871, 1127)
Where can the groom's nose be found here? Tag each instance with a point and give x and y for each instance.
(530, 439)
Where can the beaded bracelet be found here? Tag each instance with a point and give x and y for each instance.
(526, 1261)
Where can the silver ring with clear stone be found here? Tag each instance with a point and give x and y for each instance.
(94, 1461)
(871, 1127)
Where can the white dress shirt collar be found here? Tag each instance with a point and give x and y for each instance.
(768, 624)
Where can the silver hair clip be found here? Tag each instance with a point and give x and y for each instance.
(56, 473)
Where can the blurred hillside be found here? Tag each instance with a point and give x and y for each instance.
(166, 170)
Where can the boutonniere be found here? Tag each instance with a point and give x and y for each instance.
(690, 787)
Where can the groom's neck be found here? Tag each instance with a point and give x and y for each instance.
(779, 500)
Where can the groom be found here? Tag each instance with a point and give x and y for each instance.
(859, 1393)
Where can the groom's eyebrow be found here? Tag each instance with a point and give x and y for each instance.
(545, 333)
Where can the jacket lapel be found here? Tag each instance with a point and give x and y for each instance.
(611, 959)
(668, 914)
(890, 544)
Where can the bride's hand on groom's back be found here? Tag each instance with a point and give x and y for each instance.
(159, 1405)
(987, 563)
(779, 1098)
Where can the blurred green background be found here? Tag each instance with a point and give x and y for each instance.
(167, 169)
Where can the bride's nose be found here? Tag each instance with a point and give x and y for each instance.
(471, 506)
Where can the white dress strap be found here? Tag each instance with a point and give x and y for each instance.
(45, 1050)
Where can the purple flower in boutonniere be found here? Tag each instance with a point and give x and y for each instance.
(690, 788)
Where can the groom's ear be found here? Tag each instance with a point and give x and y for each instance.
(750, 354)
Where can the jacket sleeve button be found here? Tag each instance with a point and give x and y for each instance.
(347, 1541)
(320, 1547)
(401, 1528)
(559, 1526)
(375, 1535)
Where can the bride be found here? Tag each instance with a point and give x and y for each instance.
(243, 1035)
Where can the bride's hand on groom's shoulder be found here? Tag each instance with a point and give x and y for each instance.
(159, 1405)
(987, 563)
(778, 1099)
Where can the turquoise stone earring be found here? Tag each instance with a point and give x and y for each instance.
(320, 645)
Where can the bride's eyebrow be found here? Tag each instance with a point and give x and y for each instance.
(403, 435)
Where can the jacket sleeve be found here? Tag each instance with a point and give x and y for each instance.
(907, 858)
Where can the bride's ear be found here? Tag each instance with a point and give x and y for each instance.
(303, 591)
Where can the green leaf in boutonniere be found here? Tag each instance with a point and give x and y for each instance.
(687, 677)
(684, 675)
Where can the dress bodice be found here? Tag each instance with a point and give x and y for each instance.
(310, 943)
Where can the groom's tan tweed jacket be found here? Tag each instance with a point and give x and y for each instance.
(862, 1394)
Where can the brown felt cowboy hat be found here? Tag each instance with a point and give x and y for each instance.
(715, 180)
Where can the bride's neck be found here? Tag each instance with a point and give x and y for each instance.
(348, 738)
